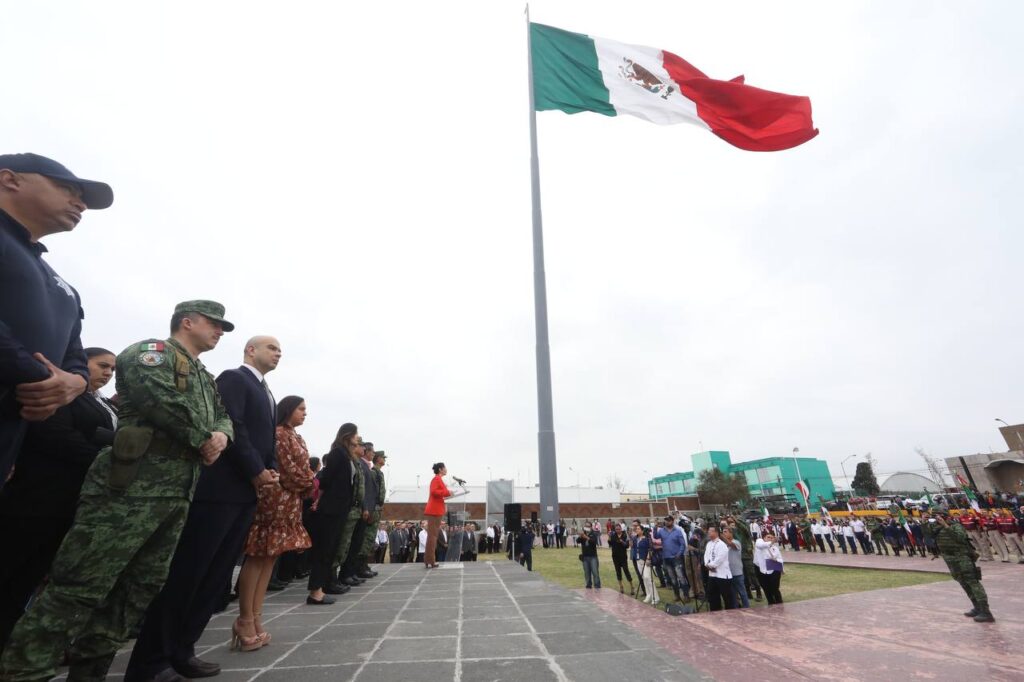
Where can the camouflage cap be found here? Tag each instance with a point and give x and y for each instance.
(210, 309)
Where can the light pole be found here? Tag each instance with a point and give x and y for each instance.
(1001, 421)
(577, 484)
(844, 471)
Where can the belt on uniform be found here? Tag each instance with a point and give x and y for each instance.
(168, 447)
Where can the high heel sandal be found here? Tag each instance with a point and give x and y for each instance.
(263, 636)
(240, 642)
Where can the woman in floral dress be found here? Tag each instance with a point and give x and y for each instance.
(278, 525)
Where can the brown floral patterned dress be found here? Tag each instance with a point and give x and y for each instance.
(278, 525)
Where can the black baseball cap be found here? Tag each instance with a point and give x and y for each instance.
(96, 195)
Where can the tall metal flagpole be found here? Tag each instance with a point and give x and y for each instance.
(547, 469)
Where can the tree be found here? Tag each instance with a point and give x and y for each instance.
(864, 482)
(714, 487)
(616, 482)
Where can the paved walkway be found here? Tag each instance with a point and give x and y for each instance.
(483, 622)
(908, 633)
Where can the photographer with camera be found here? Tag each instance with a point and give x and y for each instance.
(588, 541)
(618, 542)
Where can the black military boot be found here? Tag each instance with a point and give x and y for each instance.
(984, 616)
(973, 612)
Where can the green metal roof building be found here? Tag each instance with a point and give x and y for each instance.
(768, 476)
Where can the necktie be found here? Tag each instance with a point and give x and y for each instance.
(270, 397)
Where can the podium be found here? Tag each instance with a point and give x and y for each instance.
(456, 518)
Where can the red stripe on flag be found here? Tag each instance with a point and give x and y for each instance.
(744, 116)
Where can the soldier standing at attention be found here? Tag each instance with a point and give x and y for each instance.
(960, 556)
(133, 505)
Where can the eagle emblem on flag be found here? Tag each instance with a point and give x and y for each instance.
(634, 73)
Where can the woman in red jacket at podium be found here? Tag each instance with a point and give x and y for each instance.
(434, 511)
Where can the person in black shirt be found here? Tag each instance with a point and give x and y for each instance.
(588, 541)
(42, 364)
(618, 541)
(524, 546)
(38, 504)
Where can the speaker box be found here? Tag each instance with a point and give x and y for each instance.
(513, 516)
(533, 517)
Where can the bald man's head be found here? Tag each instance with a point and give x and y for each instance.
(263, 353)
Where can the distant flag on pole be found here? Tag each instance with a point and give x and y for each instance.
(573, 72)
(928, 496)
(764, 513)
(967, 491)
(825, 516)
(805, 492)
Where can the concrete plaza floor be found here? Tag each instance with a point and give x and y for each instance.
(494, 621)
(472, 622)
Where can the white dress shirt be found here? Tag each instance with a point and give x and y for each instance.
(423, 540)
(716, 558)
(858, 526)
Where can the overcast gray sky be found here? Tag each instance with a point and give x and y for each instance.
(354, 178)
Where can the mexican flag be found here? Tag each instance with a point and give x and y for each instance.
(967, 491)
(802, 489)
(906, 526)
(573, 72)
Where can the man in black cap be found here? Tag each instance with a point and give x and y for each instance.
(42, 365)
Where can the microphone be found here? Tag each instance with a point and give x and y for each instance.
(458, 480)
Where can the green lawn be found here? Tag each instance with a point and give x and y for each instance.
(799, 582)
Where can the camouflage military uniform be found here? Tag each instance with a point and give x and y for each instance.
(807, 536)
(960, 556)
(133, 505)
(878, 536)
(355, 515)
(747, 554)
(370, 537)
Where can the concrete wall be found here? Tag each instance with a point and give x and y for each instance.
(569, 510)
(1002, 477)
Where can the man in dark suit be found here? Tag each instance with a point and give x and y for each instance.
(38, 504)
(218, 523)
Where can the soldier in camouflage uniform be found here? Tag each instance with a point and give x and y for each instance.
(807, 536)
(356, 518)
(370, 536)
(133, 505)
(877, 534)
(960, 557)
(741, 530)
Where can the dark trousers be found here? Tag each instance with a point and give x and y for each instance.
(527, 560)
(865, 544)
(378, 553)
(842, 542)
(621, 566)
(213, 538)
(821, 542)
(28, 546)
(326, 537)
(770, 585)
(351, 566)
(720, 589)
(852, 542)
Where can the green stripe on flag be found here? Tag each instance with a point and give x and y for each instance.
(565, 73)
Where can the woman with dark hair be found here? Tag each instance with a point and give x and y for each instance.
(38, 504)
(434, 511)
(332, 508)
(278, 525)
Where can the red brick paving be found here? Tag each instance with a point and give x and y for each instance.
(907, 633)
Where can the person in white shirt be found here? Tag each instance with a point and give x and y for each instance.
(551, 535)
(381, 544)
(851, 538)
(755, 529)
(716, 559)
(423, 543)
(766, 553)
(862, 536)
(490, 539)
